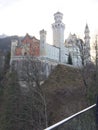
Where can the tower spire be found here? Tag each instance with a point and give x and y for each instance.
(87, 43)
(86, 33)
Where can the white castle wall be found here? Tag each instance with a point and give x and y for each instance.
(52, 52)
(58, 52)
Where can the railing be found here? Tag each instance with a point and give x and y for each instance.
(69, 118)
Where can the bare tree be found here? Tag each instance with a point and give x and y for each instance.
(96, 58)
(31, 76)
(85, 62)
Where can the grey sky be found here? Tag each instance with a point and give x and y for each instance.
(7, 2)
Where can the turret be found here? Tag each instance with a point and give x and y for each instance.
(42, 42)
(13, 47)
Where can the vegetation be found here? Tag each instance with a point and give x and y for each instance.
(23, 108)
(20, 109)
(66, 91)
(70, 59)
(10, 103)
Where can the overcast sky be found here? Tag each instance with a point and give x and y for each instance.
(18, 17)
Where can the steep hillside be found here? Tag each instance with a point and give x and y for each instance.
(5, 43)
(64, 91)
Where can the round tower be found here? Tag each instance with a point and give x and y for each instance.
(58, 30)
(42, 42)
(14, 43)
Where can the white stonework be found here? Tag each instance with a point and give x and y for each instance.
(58, 53)
(52, 52)
(58, 30)
(43, 43)
(73, 49)
(13, 47)
(60, 50)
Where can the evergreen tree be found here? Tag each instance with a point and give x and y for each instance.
(70, 59)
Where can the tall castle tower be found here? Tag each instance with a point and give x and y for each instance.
(87, 43)
(58, 30)
(58, 34)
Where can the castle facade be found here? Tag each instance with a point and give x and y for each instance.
(59, 52)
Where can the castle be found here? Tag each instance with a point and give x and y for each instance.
(59, 52)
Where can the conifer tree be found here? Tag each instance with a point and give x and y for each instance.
(70, 59)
